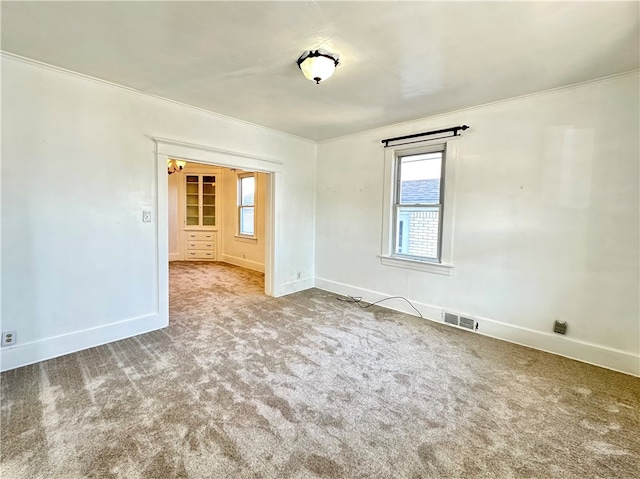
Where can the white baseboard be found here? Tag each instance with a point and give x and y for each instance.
(245, 263)
(597, 355)
(294, 287)
(43, 349)
(610, 358)
(175, 257)
(428, 312)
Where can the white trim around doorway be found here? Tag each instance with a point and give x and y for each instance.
(168, 148)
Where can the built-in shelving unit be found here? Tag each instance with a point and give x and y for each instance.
(200, 217)
(200, 200)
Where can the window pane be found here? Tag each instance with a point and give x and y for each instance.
(420, 178)
(192, 199)
(192, 188)
(192, 216)
(417, 231)
(246, 220)
(208, 186)
(247, 188)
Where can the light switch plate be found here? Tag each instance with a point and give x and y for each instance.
(146, 216)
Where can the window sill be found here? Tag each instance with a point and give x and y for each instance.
(246, 239)
(444, 269)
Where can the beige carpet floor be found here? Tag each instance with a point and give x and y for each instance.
(245, 386)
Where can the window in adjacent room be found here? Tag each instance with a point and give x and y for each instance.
(246, 205)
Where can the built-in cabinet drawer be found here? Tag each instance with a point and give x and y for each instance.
(197, 254)
(201, 245)
(201, 235)
(208, 245)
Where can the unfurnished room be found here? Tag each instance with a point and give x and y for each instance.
(320, 239)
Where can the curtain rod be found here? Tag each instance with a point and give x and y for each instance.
(454, 129)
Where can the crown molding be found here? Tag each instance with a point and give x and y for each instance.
(56, 69)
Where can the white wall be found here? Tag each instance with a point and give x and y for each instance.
(79, 267)
(247, 253)
(545, 228)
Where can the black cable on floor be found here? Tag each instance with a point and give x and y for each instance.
(358, 302)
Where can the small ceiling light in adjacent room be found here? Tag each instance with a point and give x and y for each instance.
(175, 165)
(317, 66)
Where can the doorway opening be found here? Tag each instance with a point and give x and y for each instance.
(204, 209)
(216, 214)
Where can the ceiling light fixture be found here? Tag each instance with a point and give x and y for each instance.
(317, 66)
(175, 165)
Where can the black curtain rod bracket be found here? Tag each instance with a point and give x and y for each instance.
(454, 130)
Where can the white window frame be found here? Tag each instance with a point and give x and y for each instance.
(241, 205)
(449, 159)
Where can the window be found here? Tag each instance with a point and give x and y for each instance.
(418, 213)
(418, 206)
(246, 205)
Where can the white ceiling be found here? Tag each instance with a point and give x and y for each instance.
(399, 60)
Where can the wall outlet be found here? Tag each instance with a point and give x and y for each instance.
(298, 275)
(560, 327)
(9, 338)
(146, 216)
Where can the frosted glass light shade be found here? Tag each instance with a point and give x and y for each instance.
(317, 66)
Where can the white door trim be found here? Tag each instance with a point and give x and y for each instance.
(168, 148)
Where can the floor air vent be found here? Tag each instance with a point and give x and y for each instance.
(460, 321)
(451, 318)
(467, 323)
